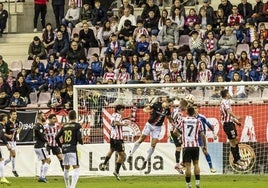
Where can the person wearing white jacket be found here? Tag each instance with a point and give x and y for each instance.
(72, 16)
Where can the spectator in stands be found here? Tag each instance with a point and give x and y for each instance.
(220, 18)
(72, 16)
(190, 21)
(188, 59)
(210, 44)
(226, 6)
(123, 76)
(61, 46)
(52, 63)
(177, 4)
(59, 78)
(23, 88)
(227, 42)
(10, 79)
(203, 19)
(104, 34)
(169, 33)
(251, 74)
(34, 79)
(96, 67)
(142, 46)
(68, 82)
(81, 64)
(235, 17)
(126, 16)
(65, 32)
(263, 57)
(191, 73)
(3, 18)
(16, 100)
(257, 14)
(3, 67)
(55, 101)
(237, 92)
(50, 83)
(238, 30)
(162, 20)
(48, 37)
(204, 75)
(263, 34)
(40, 65)
(58, 9)
(5, 93)
(85, 15)
(125, 5)
(235, 69)
(114, 47)
(176, 71)
(178, 19)
(256, 65)
(135, 74)
(87, 37)
(245, 9)
(243, 60)
(40, 7)
(151, 23)
(125, 33)
(99, 14)
(140, 30)
(67, 101)
(36, 49)
(196, 45)
(149, 74)
(80, 77)
(264, 73)
(170, 50)
(75, 53)
(230, 60)
(150, 6)
(209, 9)
(109, 75)
(219, 71)
(255, 50)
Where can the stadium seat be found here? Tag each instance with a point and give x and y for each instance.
(43, 99)
(76, 30)
(184, 40)
(265, 94)
(33, 99)
(91, 51)
(103, 49)
(44, 61)
(15, 65)
(27, 64)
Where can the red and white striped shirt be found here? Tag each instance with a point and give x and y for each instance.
(51, 131)
(109, 76)
(224, 107)
(190, 127)
(116, 131)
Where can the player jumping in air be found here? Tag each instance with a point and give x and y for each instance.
(205, 123)
(116, 140)
(229, 119)
(158, 111)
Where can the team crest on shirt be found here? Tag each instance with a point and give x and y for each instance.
(247, 155)
(41, 130)
(131, 131)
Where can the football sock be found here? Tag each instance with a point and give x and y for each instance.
(135, 147)
(208, 158)
(2, 164)
(13, 163)
(106, 160)
(177, 156)
(75, 177)
(187, 179)
(117, 168)
(66, 178)
(7, 161)
(237, 151)
(233, 150)
(42, 171)
(46, 166)
(149, 153)
(61, 165)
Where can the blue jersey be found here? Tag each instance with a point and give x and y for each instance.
(205, 123)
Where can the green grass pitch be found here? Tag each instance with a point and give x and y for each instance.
(214, 181)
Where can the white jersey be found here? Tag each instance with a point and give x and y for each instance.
(177, 116)
(190, 127)
(116, 131)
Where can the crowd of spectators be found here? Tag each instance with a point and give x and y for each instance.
(144, 49)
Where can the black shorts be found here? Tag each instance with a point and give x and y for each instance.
(55, 150)
(230, 130)
(117, 145)
(177, 140)
(190, 154)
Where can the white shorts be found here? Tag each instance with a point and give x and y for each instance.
(153, 130)
(70, 159)
(12, 144)
(41, 153)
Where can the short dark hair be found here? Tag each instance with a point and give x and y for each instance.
(51, 116)
(72, 115)
(2, 116)
(224, 93)
(190, 110)
(119, 107)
